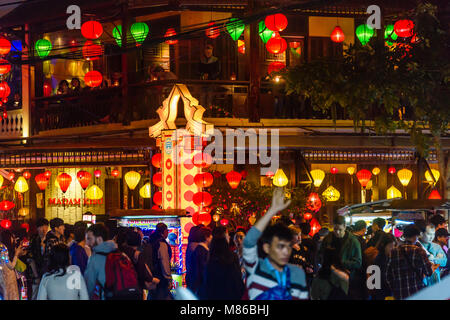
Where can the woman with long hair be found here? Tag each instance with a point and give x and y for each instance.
(9, 255)
(384, 247)
(63, 281)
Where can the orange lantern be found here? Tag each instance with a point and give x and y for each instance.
(276, 44)
(204, 218)
(26, 175)
(307, 216)
(364, 177)
(202, 199)
(203, 180)
(93, 79)
(5, 46)
(64, 181)
(5, 91)
(84, 178)
(276, 22)
(115, 173)
(11, 175)
(41, 181)
(157, 179)
(170, 33)
(434, 195)
(156, 160)
(5, 67)
(233, 178)
(314, 203)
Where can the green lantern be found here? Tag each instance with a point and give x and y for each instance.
(43, 47)
(264, 32)
(139, 30)
(364, 33)
(117, 34)
(235, 28)
(389, 34)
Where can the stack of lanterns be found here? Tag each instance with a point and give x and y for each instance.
(202, 199)
(92, 30)
(157, 197)
(5, 68)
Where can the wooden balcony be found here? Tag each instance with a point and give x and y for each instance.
(12, 126)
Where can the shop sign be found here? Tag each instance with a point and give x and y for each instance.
(73, 202)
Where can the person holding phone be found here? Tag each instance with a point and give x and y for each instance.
(9, 256)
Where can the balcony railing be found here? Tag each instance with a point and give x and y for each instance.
(12, 126)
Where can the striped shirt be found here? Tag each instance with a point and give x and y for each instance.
(259, 276)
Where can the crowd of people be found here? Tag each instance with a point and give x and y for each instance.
(271, 261)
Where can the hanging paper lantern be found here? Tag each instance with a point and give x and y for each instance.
(364, 177)
(280, 179)
(212, 31)
(224, 222)
(47, 89)
(404, 176)
(97, 173)
(264, 33)
(202, 199)
(41, 181)
(376, 171)
(146, 191)
(23, 212)
(115, 173)
(276, 22)
(84, 178)
(1, 180)
(157, 198)
(117, 34)
(94, 193)
(25, 226)
(157, 179)
(241, 47)
(275, 66)
(5, 67)
(204, 219)
(364, 33)
(390, 35)
(26, 175)
(331, 194)
(5, 91)
(233, 178)
(315, 226)
(337, 35)
(235, 28)
(156, 160)
(21, 185)
(202, 160)
(351, 170)
(5, 46)
(132, 179)
(92, 30)
(170, 33)
(6, 205)
(5, 224)
(392, 170)
(436, 175)
(313, 203)
(203, 180)
(216, 217)
(318, 176)
(43, 48)
(276, 44)
(393, 192)
(294, 44)
(11, 175)
(270, 174)
(93, 79)
(64, 181)
(139, 30)
(334, 170)
(307, 216)
(48, 174)
(404, 28)
(434, 195)
(92, 51)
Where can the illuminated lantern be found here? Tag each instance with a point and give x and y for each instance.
(21, 185)
(139, 31)
(48, 174)
(5, 224)
(331, 194)
(275, 66)
(84, 178)
(436, 175)
(1, 180)
(376, 171)
(404, 28)
(390, 35)
(334, 170)
(132, 179)
(157, 179)
(11, 175)
(364, 177)
(216, 218)
(318, 176)
(117, 34)
(156, 160)
(276, 22)
(307, 216)
(92, 51)
(5, 46)
(170, 33)
(314, 203)
(351, 170)
(252, 220)
(393, 192)
(280, 179)
(270, 174)
(235, 28)
(434, 195)
(25, 226)
(364, 33)
(203, 180)
(146, 191)
(6, 205)
(26, 175)
(5, 91)
(64, 181)
(93, 79)
(41, 181)
(23, 212)
(315, 226)
(224, 222)
(264, 33)
(202, 160)
(212, 31)
(276, 44)
(115, 173)
(94, 193)
(43, 48)
(5, 67)
(241, 47)
(92, 30)
(97, 173)
(204, 218)
(392, 170)
(157, 198)
(202, 199)
(337, 35)
(294, 45)
(233, 178)
(47, 89)
(404, 176)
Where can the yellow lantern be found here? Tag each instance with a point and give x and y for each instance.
(331, 194)
(21, 185)
(318, 176)
(23, 212)
(376, 171)
(280, 179)
(94, 193)
(216, 217)
(351, 170)
(404, 176)
(1, 180)
(393, 192)
(132, 179)
(435, 173)
(146, 191)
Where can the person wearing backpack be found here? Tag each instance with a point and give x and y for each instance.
(162, 254)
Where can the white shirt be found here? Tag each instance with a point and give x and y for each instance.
(70, 286)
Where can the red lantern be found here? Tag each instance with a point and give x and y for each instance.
(364, 177)
(315, 227)
(157, 198)
(92, 51)
(276, 45)
(202, 160)
(41, 181)
(204, 219)
(241, 48)
(93, 79)
(334, 170)
(92, 30)
(84, 178)
(157, 179)
(337, 35)
(233, 178)
(224, 222)
(275, 66)
(203, 180)
(6, 205)
(5, 114)
(294, 44)
(5, 91)
(47, 89)
(64, 181)
(11, 175)
(212, 31)
(48, 174)
(434, 195)
(202, 199)
(307, 216)
(170, 33)
(392, 170)
(404, 28)
(269, 174)
(157, 208)
(25, 226)
(314, 203)
(5, 46)
(156, 160)
(276, 22)
(5, 67)
(115, 173)
(97, 173)
(26, 175)
(5, 224)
